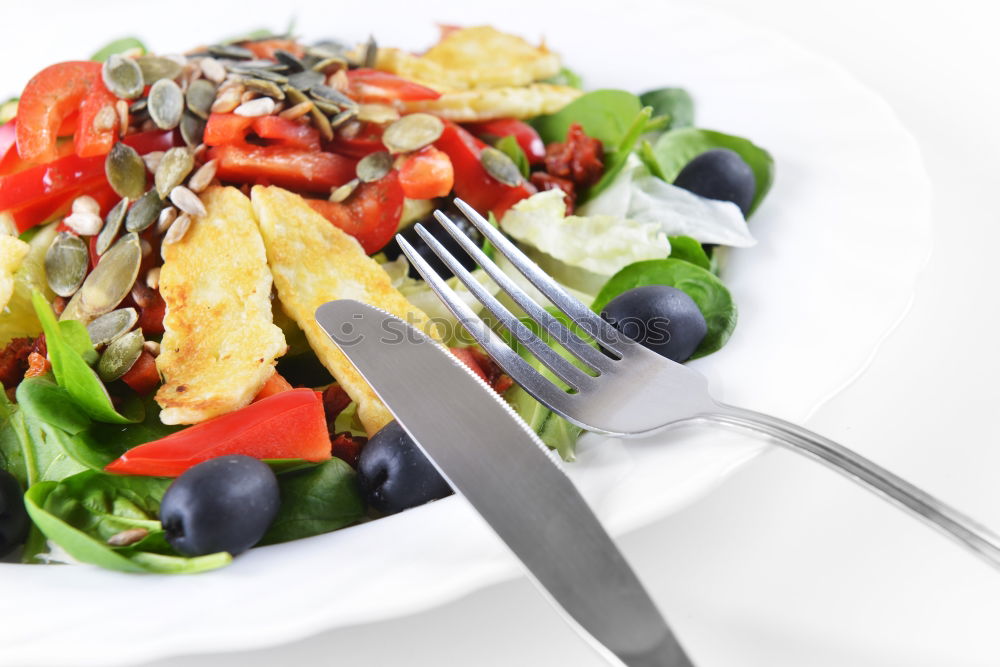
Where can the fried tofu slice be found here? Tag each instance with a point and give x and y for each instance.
(12, 252)
(220, 343)
(314, 262)
(467, 106)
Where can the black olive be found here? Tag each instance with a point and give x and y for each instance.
(392, 250)
(394, 474)
(664, 319)
(720, 174)
(14, 521)
(223, 504)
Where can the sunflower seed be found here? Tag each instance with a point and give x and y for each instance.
(122, 109)
(412, 132)
(165, 219)
(256, 64)
(203, 177)
(122, 76)
(374, 166)
(212, 69)
(166, 104)
(155, 68)
(500, 166)
(144, 212)
(338, 80)
(109, 282)
(86, 204)
(66, 263)
(187, 201)
(153, 278)
(106, 119)
(199, 97)
(112, 224)
(326, 93)
(322, 123)
(297, 111)
(111, 325)
(152, 347)
(262, 106)
(371, 52)
(175, 166)
(152, 160)
(176, 231)
(120, 355)
(306, 80)
(192, 129)
(231, 51)
(84, 224)
(127, 537)
(338, 195)
(264, 87)
(227, 99)
(343, 117)
(125, 170)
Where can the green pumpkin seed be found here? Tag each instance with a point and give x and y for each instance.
(155, 68)
(412, 132)
(327, 94)
(66, 263)
(122, 76)
(199, 97)
(166, 104)
(266, 74)
(343, 117)
(120, 355)
(326, 106)
(306, 80)
(380, 114)
(175, 166)
(295, 96)
(231, 51)
(371, 52)
(328, 48)
(192, 129)
(257, 64)
(109, 282)
(374, 166)
(322, 123)
(144, 212)
(289, 59)
(126, 171)
(112, 223)
(344, 191)
(264, 87)
(110, 326)
(500, 166)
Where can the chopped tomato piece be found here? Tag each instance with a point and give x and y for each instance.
(335, 399)
(38, 364)
(14, 361)
(311, 171)
(483, 365)
(143, 377)
(274, 385)
(151, 315)
(426, 174)
(472, 182)
(368, 140)
(526, 136)
(265, 48)
(372, 85)
(226, 128)
(287, 132)
(371, 214)
(289, 425)
(579, 159)
(347, 447)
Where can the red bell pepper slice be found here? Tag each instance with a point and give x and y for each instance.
(8, 145)
(526, 136)
(426, 174)
(311, 171)
(372, 85)
(287, 132)
(288, 425)
(54, 94)
(368, 140)
(265, 48)
(226, 128)
(371, 214)
(472, 182)
(274, 385)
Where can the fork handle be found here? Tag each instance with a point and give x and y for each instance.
(978, 539)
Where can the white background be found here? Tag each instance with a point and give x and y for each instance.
(787, 564)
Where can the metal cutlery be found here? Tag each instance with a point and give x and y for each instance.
(630, 391)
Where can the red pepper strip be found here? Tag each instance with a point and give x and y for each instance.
(265, 48)
(8, 144)
(287, 132)
(372, 85)
(368, 140)
(472, 182)
(289, 425)
(526, 136)
(310, 171)
(143, 377)
(426, 174)
(274, 385)
(88, 140)
(371, 214)
(226, 128)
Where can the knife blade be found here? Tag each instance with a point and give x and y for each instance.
(491, 457)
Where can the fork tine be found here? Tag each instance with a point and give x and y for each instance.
(563, 369)
(530, 379)
(593, 324)
(559, 331)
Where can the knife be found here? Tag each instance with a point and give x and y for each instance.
(490, 456)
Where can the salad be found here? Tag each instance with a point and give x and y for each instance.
(170, 223)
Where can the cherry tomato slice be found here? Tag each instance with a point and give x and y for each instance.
(526, 136)
(371, 214)
(371, 85)
(426, 174)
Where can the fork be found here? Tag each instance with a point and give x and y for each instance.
(622, 387)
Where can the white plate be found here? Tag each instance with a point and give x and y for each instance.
(842, 236)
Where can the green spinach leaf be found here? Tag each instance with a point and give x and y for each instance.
(117, 46)
(566, 77)
(676, 148)
(687, 249)
(649, 160)
(604, 114)
(675, 103)
(704, 288)
(33, 450)
(509, 146)
(615, 160)
(316, 500)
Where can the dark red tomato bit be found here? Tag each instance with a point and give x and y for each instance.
(143, 377)
(347, 447)
(546, 181)
(14, 361)
(579, 158)
(484, 366)
(335, 400)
